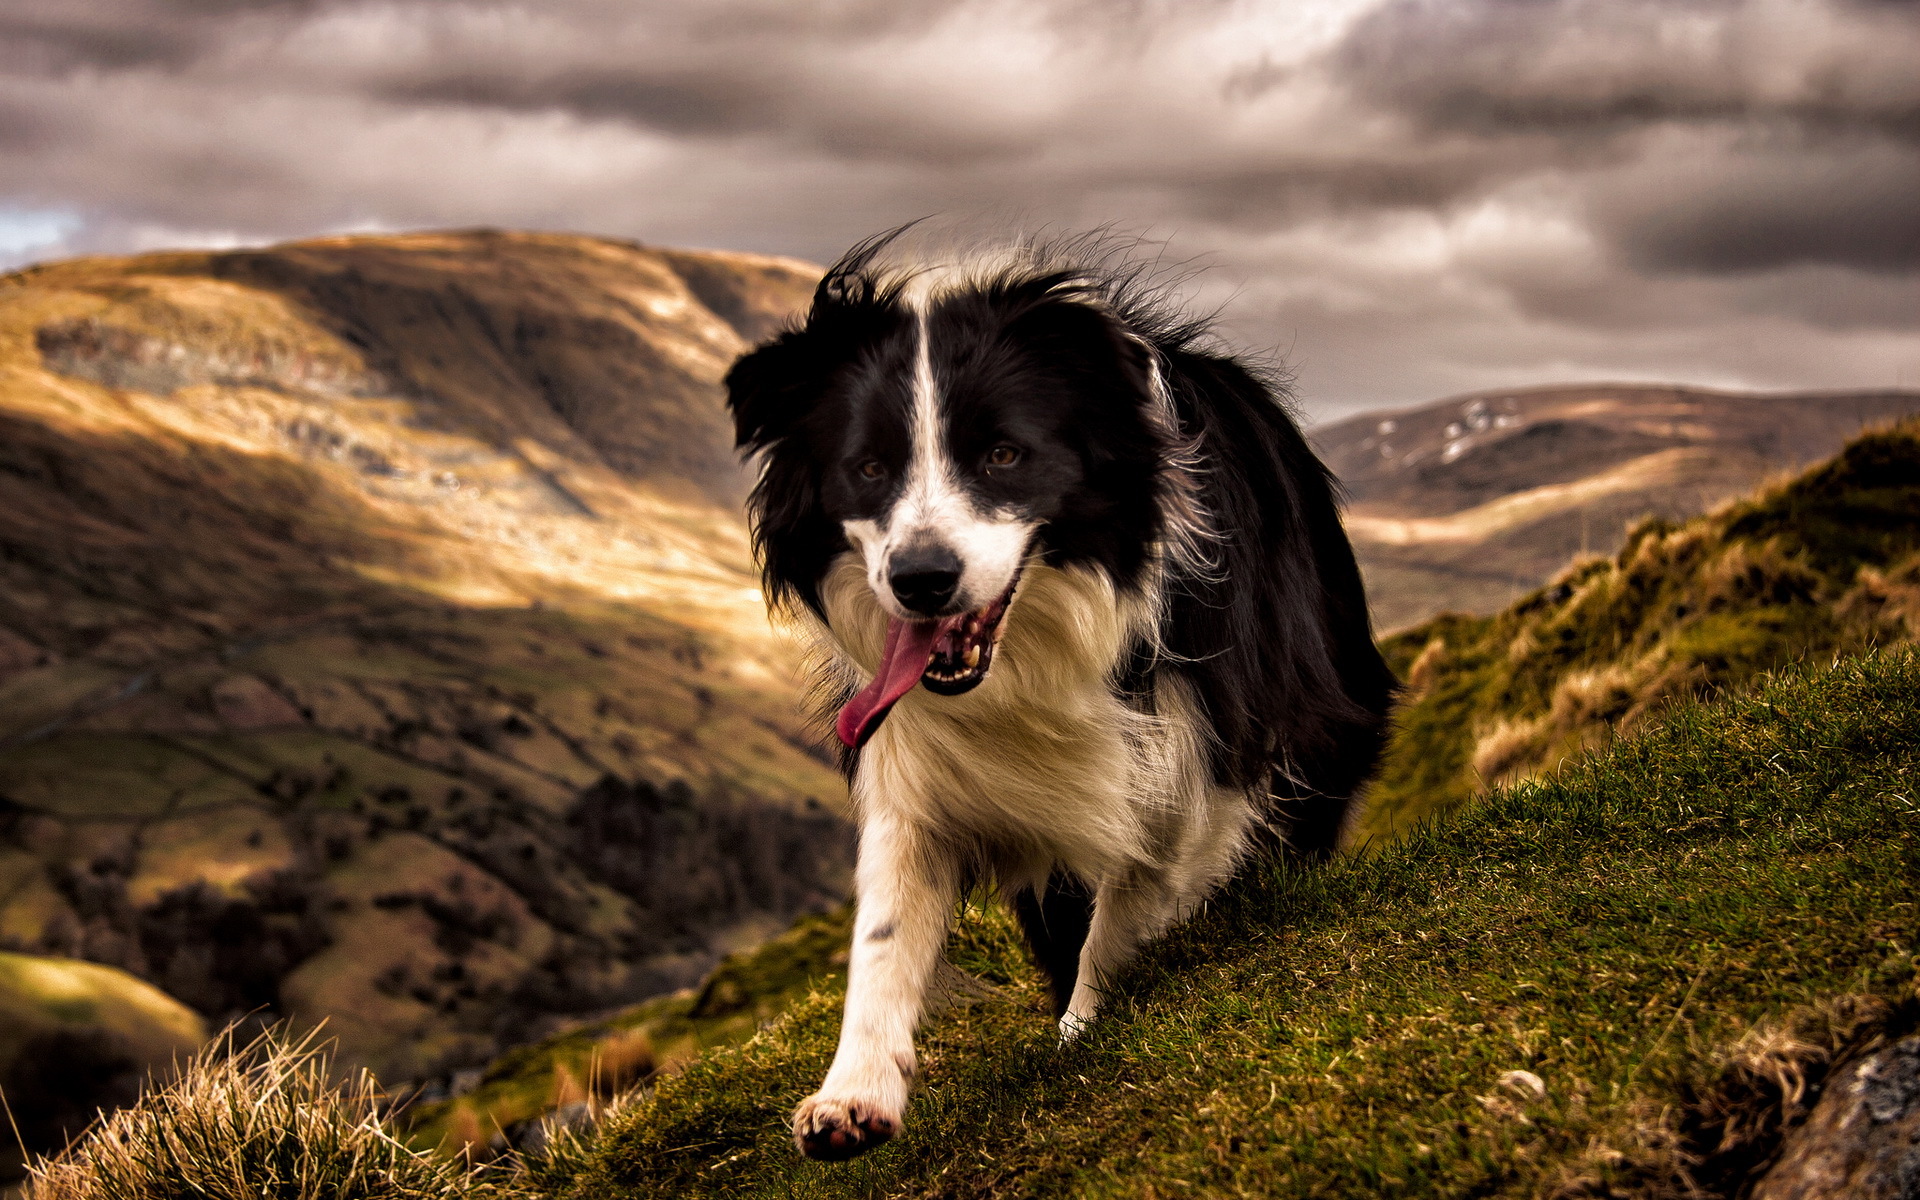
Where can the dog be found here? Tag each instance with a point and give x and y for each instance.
(1084, 616)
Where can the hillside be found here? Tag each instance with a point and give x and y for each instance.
(76, 1035)
(505, 1104)
(379, 640)
(1823, 564)
(1547, 995)
(1638, 979)
(1465, 504)
(1816, 566)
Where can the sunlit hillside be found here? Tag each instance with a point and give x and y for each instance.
(378, 636)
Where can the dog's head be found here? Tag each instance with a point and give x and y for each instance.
(948, 433)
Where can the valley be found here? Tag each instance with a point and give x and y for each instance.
(378, 638)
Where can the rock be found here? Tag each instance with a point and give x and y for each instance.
(1862, 1140)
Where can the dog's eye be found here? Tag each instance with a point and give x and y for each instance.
(1003, 456)
(873, 468)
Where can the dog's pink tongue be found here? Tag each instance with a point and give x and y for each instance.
(909, 648)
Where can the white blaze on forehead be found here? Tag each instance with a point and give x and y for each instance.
(932, 496)
(933, 507)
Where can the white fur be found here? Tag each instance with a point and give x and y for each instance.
(1039, 767)
(933, 507)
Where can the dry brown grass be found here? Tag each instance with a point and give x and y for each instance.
(621, 1061)
(266, 1121)
(1505, 748)
(1889, 598)
(567, 1088)
(1420, 675)
(1586, 710)
(1744, 575)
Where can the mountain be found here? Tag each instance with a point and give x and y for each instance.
(1467, 503)
(379, 640)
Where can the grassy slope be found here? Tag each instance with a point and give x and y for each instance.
(75, 1034)
(1826, 563)
(1345, 1033)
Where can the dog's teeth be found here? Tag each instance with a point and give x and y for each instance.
(973, 657)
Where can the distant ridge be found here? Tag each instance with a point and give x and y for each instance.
(1466, 503)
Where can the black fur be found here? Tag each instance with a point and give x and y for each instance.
(1272, 633)
(1056, 923)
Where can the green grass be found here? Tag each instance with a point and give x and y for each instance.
(1346, 1032)
(1826, 563)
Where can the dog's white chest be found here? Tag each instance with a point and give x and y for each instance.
(1042, 763)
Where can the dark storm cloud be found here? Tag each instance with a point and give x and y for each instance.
(1277, 194)
(1414, 195)
(794, 72)
(47, 45)
(25, 129)
(1745, 136)
(1849, 205)
(685, 99)
(54, 37)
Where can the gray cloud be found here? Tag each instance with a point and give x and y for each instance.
(1408, 196)
(1599, 68)
(1845, 201)
(1716, 136)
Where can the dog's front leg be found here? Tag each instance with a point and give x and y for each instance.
(1126, 913)
(905, 889)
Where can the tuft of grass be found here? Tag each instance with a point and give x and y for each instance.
(266, 1121)
(1470, 1012)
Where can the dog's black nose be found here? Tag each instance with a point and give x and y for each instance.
(924, 578)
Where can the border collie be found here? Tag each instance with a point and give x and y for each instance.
(1083, 610)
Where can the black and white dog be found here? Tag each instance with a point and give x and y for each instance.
(1083, 607)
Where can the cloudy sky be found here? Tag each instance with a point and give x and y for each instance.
(1403, 198)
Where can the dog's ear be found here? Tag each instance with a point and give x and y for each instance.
(768, 391)
(1091, 343)
(771, 389)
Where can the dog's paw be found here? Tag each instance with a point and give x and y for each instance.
(832, 1129)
